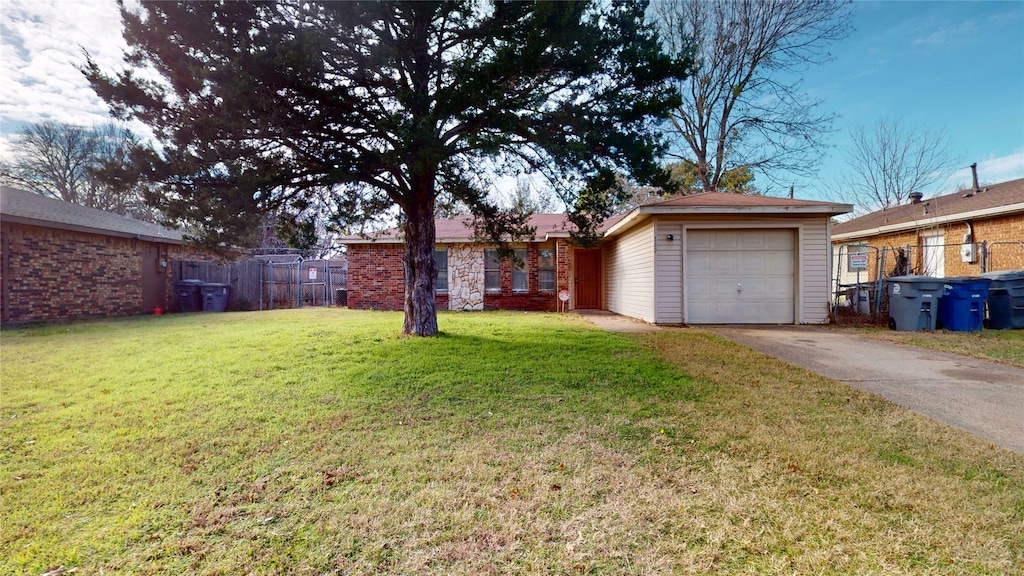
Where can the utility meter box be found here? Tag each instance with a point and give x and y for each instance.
(969, 253)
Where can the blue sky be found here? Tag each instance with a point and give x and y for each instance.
(954, 66)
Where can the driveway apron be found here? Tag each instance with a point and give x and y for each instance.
(981, 397)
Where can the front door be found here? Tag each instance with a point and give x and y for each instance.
(587, 281)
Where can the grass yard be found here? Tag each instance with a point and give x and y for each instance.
(1006, 346)
(319, 441)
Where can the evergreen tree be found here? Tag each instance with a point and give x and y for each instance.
(384, 105)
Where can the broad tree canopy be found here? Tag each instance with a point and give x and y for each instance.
(382, 105)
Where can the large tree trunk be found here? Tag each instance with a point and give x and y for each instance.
(420, 268)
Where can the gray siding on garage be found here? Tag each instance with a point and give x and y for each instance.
(814, 271)
(811, 263)
(669, 281)
(629, 273)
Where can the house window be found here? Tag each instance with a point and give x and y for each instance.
(520, 279)
(441, 282)
(546, 270)
(492, 271)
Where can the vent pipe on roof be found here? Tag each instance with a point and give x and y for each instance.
(974, 172)
(916, 197)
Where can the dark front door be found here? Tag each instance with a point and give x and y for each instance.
(587, 266)
(153, 287)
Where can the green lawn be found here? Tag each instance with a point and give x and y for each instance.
(1006, 346)
(319, 441)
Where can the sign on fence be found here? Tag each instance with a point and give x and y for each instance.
(858, 262)
(312, 273)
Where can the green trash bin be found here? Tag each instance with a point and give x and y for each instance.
(913, 302)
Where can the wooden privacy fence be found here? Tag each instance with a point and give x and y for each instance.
(261, 284)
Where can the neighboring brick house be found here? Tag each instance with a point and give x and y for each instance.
(61, 261)
(960, 234)
(701, 259)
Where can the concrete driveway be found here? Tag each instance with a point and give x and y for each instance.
(984, 398)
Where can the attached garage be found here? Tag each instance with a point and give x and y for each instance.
(720, 258)
(740, 276)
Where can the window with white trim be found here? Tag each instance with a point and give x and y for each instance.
(441, 282)
(520, 278)
(546, 270)
(492, 271)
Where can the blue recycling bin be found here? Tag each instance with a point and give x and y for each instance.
(1005, 300)
(913, 302)
(962, 306)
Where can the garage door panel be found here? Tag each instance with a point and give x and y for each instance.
(740, 276)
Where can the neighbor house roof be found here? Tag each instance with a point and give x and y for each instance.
(989, 201)
(460, 229)
(21, 207)
(557, 225)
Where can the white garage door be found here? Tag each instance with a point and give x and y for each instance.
(740, 276)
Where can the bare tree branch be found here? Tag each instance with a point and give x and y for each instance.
(743, 106)
(892, 159)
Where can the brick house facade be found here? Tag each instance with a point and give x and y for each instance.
(654, 264)
(62, 261)
(933, 233)
(376, 274)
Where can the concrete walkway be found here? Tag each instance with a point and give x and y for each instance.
(981, 397)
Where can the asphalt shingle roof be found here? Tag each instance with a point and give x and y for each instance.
(461, 228)
(1008, 195)
(29, 208)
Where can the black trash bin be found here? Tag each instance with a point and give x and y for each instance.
(1005, 300)
(215, 297)
(913, 302)
(186, 292)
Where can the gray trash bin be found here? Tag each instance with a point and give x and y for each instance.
(186, 292)
(913, 302)
(1005, 300)
(215, 297)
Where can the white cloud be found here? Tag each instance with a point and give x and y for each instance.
(41, 49)
(992, 170)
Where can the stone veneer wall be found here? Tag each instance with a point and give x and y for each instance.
(53, 274)
(465, 277)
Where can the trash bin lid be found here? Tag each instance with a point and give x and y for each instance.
(913, 278)
(1004, 275)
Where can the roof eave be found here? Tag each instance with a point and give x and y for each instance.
(643, 212)
(450, 239)
(925, 222)
(89, 230)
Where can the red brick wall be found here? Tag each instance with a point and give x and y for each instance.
(50, 274)
(375, 276)
(375, 280)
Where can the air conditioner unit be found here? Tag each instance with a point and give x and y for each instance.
(969, 253)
